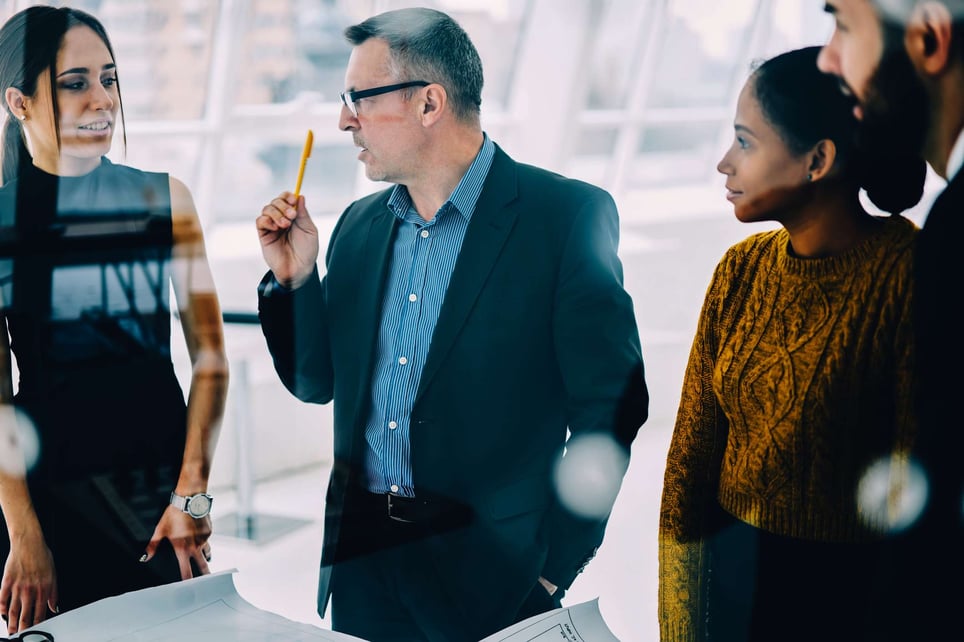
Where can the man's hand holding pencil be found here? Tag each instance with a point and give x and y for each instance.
(289, 238)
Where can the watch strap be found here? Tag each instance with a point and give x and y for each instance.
(179, 502)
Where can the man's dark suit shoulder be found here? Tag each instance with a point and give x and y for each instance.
(551, 186)
(556, 194)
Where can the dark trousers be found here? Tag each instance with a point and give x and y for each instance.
(388, 585)
(96, 530)
(766, 587)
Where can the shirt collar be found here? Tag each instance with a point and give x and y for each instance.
(956, 160)
(466, 194)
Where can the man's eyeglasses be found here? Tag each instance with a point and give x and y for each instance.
(30, 636)
(349, 97)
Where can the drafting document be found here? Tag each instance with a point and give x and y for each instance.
(209, 609)
(203, 609)
(579, 623)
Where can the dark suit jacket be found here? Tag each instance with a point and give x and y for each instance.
(919, 604)
(939, 334)
(536, 335)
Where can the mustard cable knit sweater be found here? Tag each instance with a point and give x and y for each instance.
(798, 379)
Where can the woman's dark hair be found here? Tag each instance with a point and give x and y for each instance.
(805, 105)
(29, 42)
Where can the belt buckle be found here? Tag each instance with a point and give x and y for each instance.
(395, 517)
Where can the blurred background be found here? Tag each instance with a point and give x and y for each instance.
(636, 96)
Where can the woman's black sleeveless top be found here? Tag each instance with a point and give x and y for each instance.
(85, 281)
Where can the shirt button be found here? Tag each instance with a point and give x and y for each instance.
(413, 298)
(393, 425)
(403, 361)
(394, 488)
(424, 234)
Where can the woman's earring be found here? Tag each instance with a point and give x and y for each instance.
(22, 116)
(809, 178)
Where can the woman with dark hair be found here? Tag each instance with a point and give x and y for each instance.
(795, 411)
(107, 492)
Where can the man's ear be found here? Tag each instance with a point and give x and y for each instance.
(433, 103)
(928, 38)
(822, 158)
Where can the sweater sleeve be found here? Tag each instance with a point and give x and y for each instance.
(691, 480)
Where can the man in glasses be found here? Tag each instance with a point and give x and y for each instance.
(466, 319)
(903, 61)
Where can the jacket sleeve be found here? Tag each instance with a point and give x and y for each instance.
(296, 326)
(597, 345)
(689, 508)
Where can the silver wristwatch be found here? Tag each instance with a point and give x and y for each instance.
(197, 506)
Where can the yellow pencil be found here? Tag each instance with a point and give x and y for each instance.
(304, 159)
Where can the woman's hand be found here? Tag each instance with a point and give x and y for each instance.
(188, 538)
(29, 586)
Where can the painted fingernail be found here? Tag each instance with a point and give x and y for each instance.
(143, 557)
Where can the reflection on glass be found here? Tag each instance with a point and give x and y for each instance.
(297, 46)
(94, 279)
(618, 53)
(255, 170)
(177, 155)
(704, 42)
(166, 52)
(290, 47)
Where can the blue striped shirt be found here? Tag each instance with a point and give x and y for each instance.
(423, 258)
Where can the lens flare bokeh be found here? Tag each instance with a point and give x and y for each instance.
(892, 494)
(19, 444)
(588, 477)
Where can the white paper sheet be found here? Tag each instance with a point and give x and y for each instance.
(579, 623)
(206, 608)
(209, 609)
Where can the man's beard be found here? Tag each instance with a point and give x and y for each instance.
(896, 110)
(891, 135)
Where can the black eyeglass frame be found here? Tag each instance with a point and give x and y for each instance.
(27, 635)
(348, 98)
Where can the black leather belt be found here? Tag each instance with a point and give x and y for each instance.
(418, 510)
(411, 510)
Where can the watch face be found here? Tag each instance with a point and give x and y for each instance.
(199, 505)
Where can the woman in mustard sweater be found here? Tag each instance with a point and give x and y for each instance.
(798, 378)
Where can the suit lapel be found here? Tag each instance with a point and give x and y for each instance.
(372, 272)
(488, 230)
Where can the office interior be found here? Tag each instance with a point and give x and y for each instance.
(636, 96)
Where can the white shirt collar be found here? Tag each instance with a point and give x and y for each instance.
(956, 160)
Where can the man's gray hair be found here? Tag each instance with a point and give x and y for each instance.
(428, 45)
